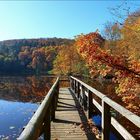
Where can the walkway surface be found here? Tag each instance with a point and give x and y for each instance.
(70, 122)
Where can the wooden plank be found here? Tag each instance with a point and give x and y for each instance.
(90, 105)
(86, 93)
(84, 102)
(123, 132)
(47, 130)
(129, 115)
(106, 121)
(78, 90)
(66, 126)
(98, 106)
(53, 104)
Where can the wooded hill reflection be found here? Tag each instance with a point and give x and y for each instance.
(24, 89)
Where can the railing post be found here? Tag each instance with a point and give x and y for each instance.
(57, 94)
(70, 82)
(106, 121)
(75, 86)
(54, 103)
(80, 93)
(84, 103)
(78, 90)
(47, 129)
(53, 106)
(90, 105)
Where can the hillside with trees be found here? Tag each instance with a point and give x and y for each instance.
(29, 55)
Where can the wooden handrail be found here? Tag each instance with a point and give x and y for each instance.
(40, 121)
(81, 89)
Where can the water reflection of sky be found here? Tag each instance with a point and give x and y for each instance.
(13, 116)
(97, 120)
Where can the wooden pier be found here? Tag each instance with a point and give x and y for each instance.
(64, 114)
(69, 117)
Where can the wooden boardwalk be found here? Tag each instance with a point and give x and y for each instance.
(63, 118)
(68, 119)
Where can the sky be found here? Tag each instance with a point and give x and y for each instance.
(65, 19)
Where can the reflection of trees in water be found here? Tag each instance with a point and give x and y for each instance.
(25, 89)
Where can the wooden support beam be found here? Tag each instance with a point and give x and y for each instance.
(53, 106)
(122, 131)
(106, 121)
(70, 83)
(57, 94)
(97, 105)
(47, 128)
(78, 90)
(75, 86)
(84, 102)
(90, 105)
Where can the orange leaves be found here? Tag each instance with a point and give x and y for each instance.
(68, 61)
(124, 66)
(38, 59)
(135, 65)
(93, 52)
(64, 61)
(90, 46)
(105, 70)
(89, 43)
(25, 55)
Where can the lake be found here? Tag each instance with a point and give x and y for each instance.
(20, 96)
(19, 99)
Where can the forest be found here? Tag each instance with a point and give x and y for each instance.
(32, 56)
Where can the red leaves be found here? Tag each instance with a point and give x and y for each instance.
(90, 47)
(102, 61)
(38, 57)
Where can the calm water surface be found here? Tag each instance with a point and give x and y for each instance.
(97, 120)
(19, 99)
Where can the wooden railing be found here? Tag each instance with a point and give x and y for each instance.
(84, 93)
(40, 122)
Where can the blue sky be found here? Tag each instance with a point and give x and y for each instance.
(41, 19)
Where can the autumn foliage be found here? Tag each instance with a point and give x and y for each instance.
(123, 64)
(69, 62)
